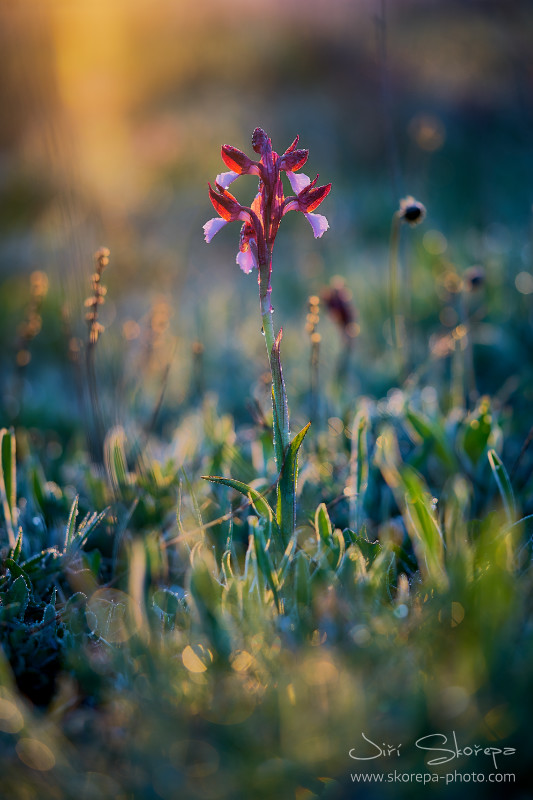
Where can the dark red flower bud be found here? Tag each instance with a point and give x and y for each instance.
(259, 140)
(293, 160)
(311, 197)
(338, 300)
(236, 160)
(225, 204)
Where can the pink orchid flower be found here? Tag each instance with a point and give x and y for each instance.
(262, 219)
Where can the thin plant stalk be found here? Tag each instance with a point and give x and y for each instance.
(95, 329)
(279, 399)
(458, 373)
(396, 318)
(265, 291)
(286, 494)
(313, 318)
(412, 212)
(470, 375)
(314, 363)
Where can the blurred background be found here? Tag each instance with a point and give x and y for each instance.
(112, 118)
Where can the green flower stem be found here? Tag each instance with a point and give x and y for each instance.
(396, 317)
(265, 291)
(268, 330)
(286, 495)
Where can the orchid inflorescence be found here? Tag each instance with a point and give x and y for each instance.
(262, 219)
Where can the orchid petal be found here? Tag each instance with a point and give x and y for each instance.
(224, 179)
(246, 260)
(292, 146)
(298, 181)
(319, 224)
(235, 159)
(312, 196)
(290, 205)
(226, 205)
(212, 227)
(294, 160)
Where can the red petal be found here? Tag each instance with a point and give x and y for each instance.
(235, 159)
(292, 146)
(291, 161)
(313, 197)
(222, 190)
(225, 204)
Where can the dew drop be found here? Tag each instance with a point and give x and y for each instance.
(401, 611)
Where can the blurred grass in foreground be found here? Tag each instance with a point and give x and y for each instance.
(194, 654)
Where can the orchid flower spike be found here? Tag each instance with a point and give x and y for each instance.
(262, 219)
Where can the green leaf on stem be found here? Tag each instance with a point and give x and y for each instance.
(286, 509)
(258, 501)
(279, 402)
(503, 482)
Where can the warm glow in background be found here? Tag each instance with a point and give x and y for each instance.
(113, 113)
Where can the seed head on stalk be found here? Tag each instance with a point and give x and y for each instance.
(95, 329)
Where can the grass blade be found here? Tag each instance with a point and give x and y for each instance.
(71, 524)
(115, 459)
(416, 505)
(503, 482)
(8, 482)
(358, 470)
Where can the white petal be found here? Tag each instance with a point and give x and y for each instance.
(298, 181)
(225, 178)
(319, 224)
(246, 260)
(212, 227)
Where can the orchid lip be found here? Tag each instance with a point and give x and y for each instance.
(224, 179)
(298, 181)
(318, 223)
(212, 227)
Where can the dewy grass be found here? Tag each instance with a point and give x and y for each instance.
(261, 222)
